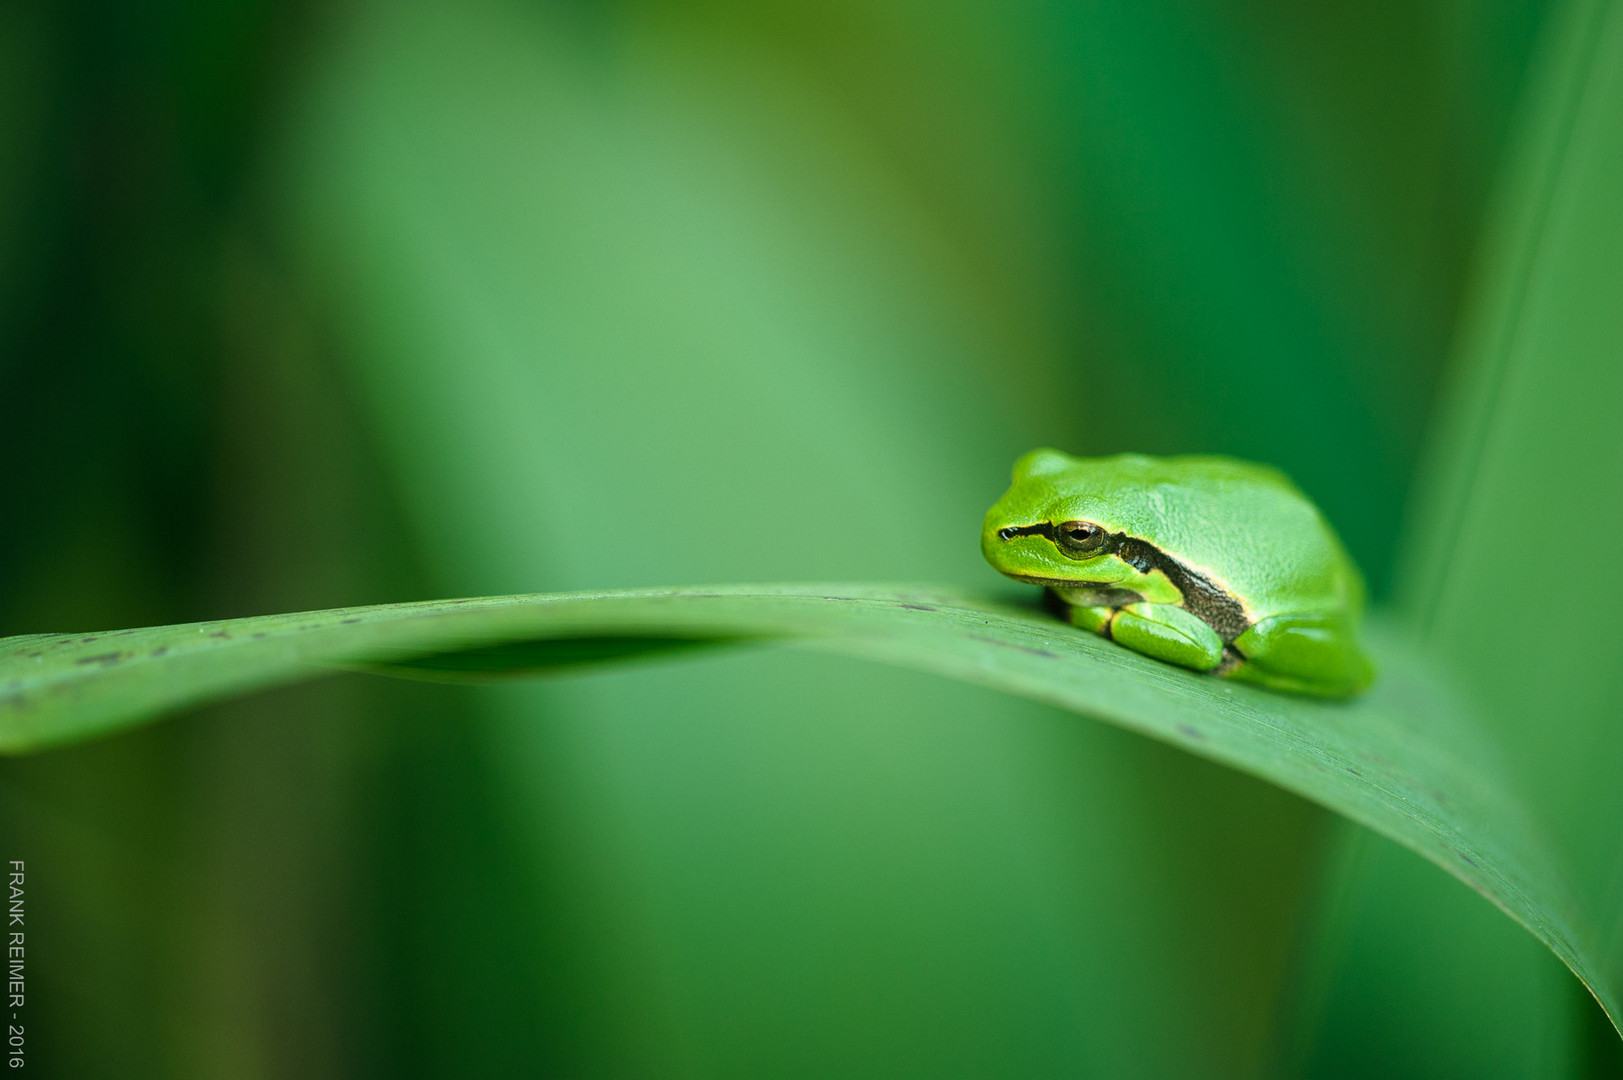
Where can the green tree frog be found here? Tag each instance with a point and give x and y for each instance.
(1206, 562)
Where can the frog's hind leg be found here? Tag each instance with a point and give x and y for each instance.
(1304, 653)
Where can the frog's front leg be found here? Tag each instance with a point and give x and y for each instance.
(1164, 631)
(1168, 632)
(1095, 617)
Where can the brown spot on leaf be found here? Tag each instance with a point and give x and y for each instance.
(1032, 649)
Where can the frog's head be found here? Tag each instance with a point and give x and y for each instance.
(1057, 524)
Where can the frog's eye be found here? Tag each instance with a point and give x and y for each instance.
(1079, 538)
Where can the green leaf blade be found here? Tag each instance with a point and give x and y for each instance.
(1406, 759)
(1529, 442)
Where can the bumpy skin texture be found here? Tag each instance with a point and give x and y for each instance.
(1135, 545)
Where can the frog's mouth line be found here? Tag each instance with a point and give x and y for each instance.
(1053, 582)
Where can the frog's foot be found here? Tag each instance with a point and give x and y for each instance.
(1094, 617)
(1163, 631)
(1302, 653)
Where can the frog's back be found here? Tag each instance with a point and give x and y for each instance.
(1244, 526)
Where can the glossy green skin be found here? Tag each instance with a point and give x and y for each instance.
(1210, 563)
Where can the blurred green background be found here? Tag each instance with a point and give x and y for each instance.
(310, 305)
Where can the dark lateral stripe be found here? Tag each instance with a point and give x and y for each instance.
(1042, 528)
(1201, 596)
